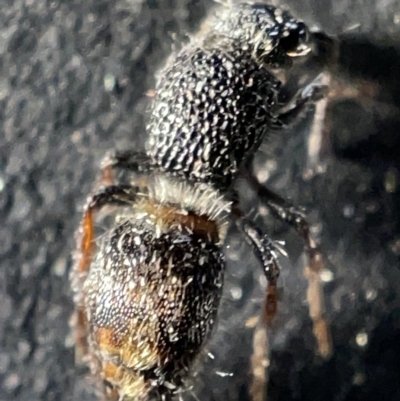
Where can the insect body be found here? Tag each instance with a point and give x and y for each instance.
(147, 295)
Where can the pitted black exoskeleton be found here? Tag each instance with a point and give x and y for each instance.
(147, 295)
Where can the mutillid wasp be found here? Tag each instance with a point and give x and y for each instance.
(148, 292)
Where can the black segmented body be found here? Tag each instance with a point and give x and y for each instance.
(149, 296)
(215, 100)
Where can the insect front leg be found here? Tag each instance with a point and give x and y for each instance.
(295, 218)
(298, 105)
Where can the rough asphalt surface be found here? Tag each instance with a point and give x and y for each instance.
(73, 80)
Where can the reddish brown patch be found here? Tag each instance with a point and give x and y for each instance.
(170, 216)
(271, 303)
(81, 327)
(87, 243)
(112, 394)
(108, 341)
(80, 333)
(111, 372)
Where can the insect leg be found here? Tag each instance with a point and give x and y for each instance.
(260, 360)
(286, 212)
(290, 112)
(118, 195)
(265, 252)
(115, 195)
(132, 160)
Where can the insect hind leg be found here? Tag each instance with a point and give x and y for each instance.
(264, 250)
(295, 218)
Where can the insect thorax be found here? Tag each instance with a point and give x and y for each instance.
(218, 96)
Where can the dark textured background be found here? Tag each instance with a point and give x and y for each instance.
(58, 61)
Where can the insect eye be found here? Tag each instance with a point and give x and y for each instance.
(296, 42)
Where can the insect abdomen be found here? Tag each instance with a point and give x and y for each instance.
(154, 304)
